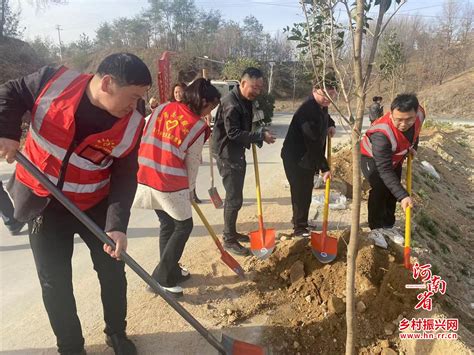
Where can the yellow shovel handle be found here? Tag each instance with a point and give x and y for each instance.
(327, 190)
(207, 225)
(257, 182)
(408, 211)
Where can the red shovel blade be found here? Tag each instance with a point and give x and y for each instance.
(262, 243)
(324, 247)
(232, 263)
(215, 198)
(237, 347)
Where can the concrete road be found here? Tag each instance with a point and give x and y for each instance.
(24, 327)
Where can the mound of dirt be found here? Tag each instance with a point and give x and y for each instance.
(304, 301)
(17, 59)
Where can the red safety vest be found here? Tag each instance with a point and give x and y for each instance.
(400, 144)
(170, 131)
(87, 177)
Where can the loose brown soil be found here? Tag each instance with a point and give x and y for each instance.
(304, 301)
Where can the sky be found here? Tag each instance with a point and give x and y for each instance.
(85, 16)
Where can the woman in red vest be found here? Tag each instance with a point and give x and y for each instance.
(384, 148)
(177, 96)
(169, 158)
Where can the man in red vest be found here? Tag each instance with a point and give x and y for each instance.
(384, 148)
(84, 136)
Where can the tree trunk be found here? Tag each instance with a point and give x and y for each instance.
(356, 179)
(2, 20)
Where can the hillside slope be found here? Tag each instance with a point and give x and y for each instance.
(454, 98)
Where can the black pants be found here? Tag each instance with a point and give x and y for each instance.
(301, 188)
(6, 208)
(52, 242)
(233, 176)
(382, 203)
(173, 237)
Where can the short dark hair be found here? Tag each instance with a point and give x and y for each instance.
(405, 103)
(252, 73)
(181, 85)
(196, 91)
(126, 68)
(329, 80)
(376, 98)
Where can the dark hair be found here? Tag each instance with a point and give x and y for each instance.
(376, 98)
(329, 80)
(196, 91)
(252, 73)
(181, 85)
(126, 68)
(405, 103)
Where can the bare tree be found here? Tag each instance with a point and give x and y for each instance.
(321, 41)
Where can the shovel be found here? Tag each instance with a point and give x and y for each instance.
(324, 247)
(262, 241)
(213, 194)
(407, 249)
(225, 256)
(227, 346)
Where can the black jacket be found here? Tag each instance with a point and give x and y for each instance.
(305, 140)
(19, 96)
(375, 111)
(382, 157)
(232, 131)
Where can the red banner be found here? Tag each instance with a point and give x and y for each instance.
(164, 76)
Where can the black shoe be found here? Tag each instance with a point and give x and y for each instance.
(184, 275)
(236, 248)
(195, 198)
(16, 228)
(242, 238)
(121, 344)
(82, 352)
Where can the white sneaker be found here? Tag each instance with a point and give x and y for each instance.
(184, 271)
(377, 236)
(176, 291)
(394, 235)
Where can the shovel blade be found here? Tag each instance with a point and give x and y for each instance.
(262, 243)
(232, 263)
(324, 247)
(215, 198)
(237, 347)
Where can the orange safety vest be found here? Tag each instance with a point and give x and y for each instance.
(170, 131)
(86, 180)
(400, 144)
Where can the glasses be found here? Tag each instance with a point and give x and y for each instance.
(409, 120)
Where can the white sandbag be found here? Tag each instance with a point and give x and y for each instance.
(430, 170)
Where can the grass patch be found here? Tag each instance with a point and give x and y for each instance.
(416, 178)
(423, 194)
(464, 269)
(463, 144)
(453, 234)
(444, 248)
(431, 184)
(427, 224)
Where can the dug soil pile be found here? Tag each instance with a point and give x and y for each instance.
(303, 301)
